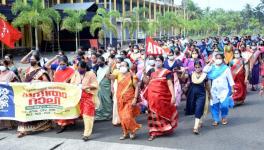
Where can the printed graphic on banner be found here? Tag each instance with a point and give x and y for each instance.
(35, 101)
(7, 107)
(153, 48)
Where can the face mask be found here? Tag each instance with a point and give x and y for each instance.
(218, 61)
(82, 71)
(123, 69)
(63, 67)
(2, 68)
(194, 56)
(135, 50)
(237, 55)
(158, 64)
(151, 62)
(33, 63)
(171, 57)
(118, 66)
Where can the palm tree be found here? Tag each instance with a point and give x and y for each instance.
(74, 22)
(130, 23)
(103, 21)
(35, 15)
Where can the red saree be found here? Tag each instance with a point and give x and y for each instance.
(240, 87)
(64, 76)
(163, 116)
(127, 112)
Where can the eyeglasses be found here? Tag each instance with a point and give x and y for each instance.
(197, 67)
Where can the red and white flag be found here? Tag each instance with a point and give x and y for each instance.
(8, 34)
(153, 48)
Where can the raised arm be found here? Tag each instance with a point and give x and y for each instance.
(24, 60)
(48, 64)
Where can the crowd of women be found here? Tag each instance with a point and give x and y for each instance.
(210, 75)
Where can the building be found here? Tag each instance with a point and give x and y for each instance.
(123, 6)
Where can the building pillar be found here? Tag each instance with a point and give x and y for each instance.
(58, 1)
(115, 5)
(4, 2)
(131, 7)
(105, 4)
(81, 1)
(71, 1)
(97, 1)
(144, 6)
(155, 9)
(149, 10)
(123, 8)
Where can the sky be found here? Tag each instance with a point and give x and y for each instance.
(226, 4)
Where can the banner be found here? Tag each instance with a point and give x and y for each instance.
(39, 101)
(153, 48)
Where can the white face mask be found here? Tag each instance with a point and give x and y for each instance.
(123, 69)
(2, 68)
(237, 55)
(218, 61)
(135, 50)
(118, 66)
(171, 57)
(151, 62)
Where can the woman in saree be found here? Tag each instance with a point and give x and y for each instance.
(198, 96)
(163, 114)
(116, 119)
(86, 79)
(239, 71)
(127, 95)
(34, 74)
(6, 76)
(175, 66)
(63, 73)
(104, 112)
(228, 52)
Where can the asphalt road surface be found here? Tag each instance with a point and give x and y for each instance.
(244, 131)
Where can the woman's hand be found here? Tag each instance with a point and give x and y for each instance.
(134, 102)
(173, 100)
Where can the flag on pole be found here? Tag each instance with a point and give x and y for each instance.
(8, 34)
(153, 48)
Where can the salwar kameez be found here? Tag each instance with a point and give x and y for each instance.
(89, 99)
(222, 81)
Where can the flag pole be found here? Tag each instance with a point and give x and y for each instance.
(2, 50)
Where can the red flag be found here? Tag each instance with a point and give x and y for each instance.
(8, 34)
(153, 48)
(94, 43)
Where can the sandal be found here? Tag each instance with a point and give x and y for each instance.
(21, 134)
(85, 138)
(200, 125)
(123, 137)
(61, 129)
(224, 122)
(132, 136)
(196, 131)
(151, 138)
(215, 124)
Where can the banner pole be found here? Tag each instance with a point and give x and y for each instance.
(2, 50)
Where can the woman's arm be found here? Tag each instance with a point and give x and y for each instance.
(24, 60)
(171, 88)
(48, 64)
(136, 92)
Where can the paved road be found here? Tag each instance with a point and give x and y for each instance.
(244, 131)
